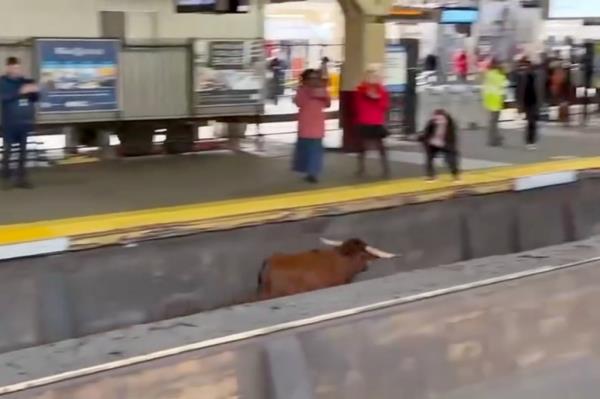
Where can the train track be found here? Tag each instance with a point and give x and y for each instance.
(262, 333)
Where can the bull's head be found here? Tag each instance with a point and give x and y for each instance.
(358, 248)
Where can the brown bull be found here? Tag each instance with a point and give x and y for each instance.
(283, 275)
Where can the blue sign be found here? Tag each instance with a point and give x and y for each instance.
(78, 75)
(573, 9)
(459, 16)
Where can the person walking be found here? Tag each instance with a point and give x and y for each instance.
(561, 91)
(461, 66)
(528, 101)
(494, 86)
(18, 95)
(324, 68)
(372, 105)
(430, 63)
(312, 98)
(440, 136)
(277, 69)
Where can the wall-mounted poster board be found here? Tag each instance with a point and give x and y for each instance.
(395, 73)
(400, 80)
(78, 75)
(228, 77)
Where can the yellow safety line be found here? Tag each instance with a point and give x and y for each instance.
(94, 224)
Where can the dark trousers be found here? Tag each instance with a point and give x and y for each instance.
(494, 136)
(14, 141)
(531, 133)
(379, 145)
(451, 157)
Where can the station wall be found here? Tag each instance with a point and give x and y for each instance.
(146, 19)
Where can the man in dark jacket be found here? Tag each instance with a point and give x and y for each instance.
(18, 95)
(277, 68)
(528, 100)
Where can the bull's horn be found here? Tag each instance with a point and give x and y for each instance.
(332, 243)
(379, 253)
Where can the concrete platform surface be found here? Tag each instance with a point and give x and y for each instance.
(126, 193)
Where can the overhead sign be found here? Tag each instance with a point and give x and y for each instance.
(228, 73)
(212, 6)
(78, 75)
(531, 3)
(459, 15)
(412, 13)
(194, 6)
(573, 9)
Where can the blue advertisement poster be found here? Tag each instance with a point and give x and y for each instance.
(78, 75)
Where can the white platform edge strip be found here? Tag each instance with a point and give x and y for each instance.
(34, 248)
(134, 360)
(545, 180)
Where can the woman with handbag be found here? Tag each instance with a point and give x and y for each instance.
(372, 104)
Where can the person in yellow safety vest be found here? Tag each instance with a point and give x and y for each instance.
(494, 89)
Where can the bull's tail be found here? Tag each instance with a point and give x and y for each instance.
(261, 277)
(264, 284)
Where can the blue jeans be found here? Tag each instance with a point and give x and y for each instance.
(308, 157)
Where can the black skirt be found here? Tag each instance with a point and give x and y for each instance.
(373, 132)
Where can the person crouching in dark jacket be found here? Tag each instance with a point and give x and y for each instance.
(440, 136)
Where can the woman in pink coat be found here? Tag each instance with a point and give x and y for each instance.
(312, 98)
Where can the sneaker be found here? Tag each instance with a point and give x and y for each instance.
(311, 179)
(457, 180)
(531, 147)
(430, 180)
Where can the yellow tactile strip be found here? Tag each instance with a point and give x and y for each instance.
(113, 228)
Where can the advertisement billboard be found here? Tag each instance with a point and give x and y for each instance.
(573, 9)
(395, 79)
(228, 73)
(78, 75)
(395, 68)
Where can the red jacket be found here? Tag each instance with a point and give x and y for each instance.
(461, 64)
(371, 111)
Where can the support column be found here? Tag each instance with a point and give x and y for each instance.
(365, 44)
(288, 370)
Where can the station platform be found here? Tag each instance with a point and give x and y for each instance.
(130, 199)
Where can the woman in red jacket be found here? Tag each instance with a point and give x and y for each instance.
(372, 104)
